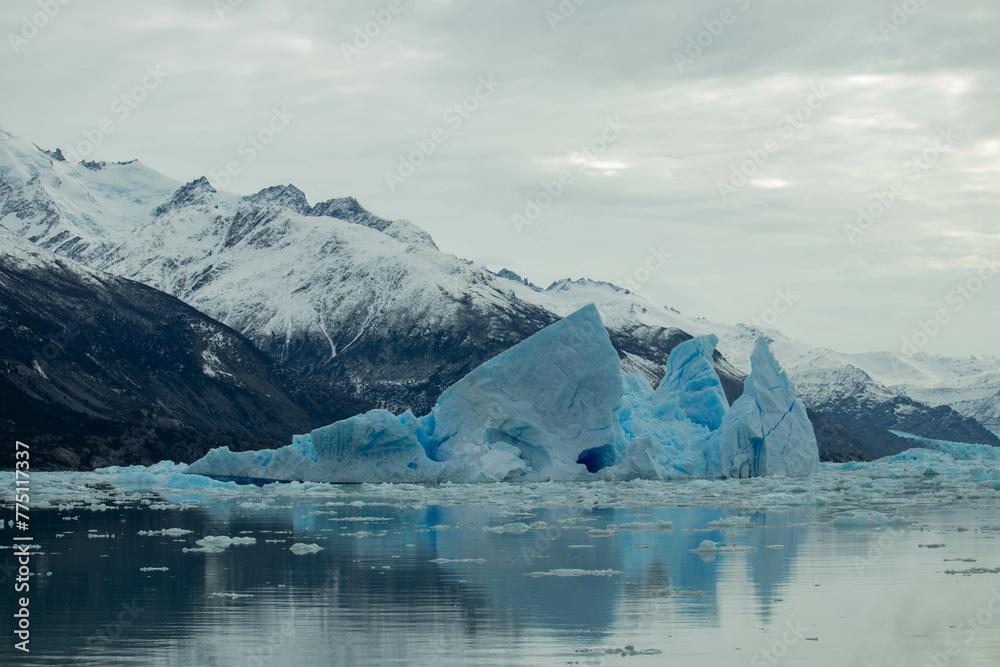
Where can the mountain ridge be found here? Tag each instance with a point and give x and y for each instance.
(373, 306)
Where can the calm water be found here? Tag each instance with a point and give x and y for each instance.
(379, 594)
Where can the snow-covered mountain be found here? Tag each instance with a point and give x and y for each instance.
(99, 370)
(371, 305)
(970, 385)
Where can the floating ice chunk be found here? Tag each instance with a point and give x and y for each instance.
(864, 519)
(731, 522)
(574, 573)
(652, 526)
(975, 570)
(166, 532)
(458, 560)
(624, 651)
(499, 464)
(154, 569)
(216, 544)
(515, 528)
(301, 549)
(142, 479)
(710, 547)
(365, 533)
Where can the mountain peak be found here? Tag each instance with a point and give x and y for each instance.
(196, 193)
(510, 275)
(567, 283)
(285, 196)
(56, 155)
(349, 210)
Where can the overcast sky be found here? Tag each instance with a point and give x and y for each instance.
(838, 100)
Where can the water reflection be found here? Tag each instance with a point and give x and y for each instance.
(375, 595)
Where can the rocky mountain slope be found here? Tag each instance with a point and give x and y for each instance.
(100, 370)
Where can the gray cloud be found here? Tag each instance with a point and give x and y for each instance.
(657, 184)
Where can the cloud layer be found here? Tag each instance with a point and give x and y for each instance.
(846, 152)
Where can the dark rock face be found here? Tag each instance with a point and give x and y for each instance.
(281, 196)
(869, 423)
(99, 370)
(398, 366)
(349, 210)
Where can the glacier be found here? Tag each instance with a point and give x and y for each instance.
(557, 407)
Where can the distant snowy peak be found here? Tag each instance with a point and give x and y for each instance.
(507, 274)
(198, 192)
(349, 210)
(971, 385)
(80, 209)
(283, 196)
(75, 210)
(56, 155)
(566, 284)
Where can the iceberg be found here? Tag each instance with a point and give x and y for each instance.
(669, 429)
(767, 431)
(556, 407)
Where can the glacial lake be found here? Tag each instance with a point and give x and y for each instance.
(859, 565)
